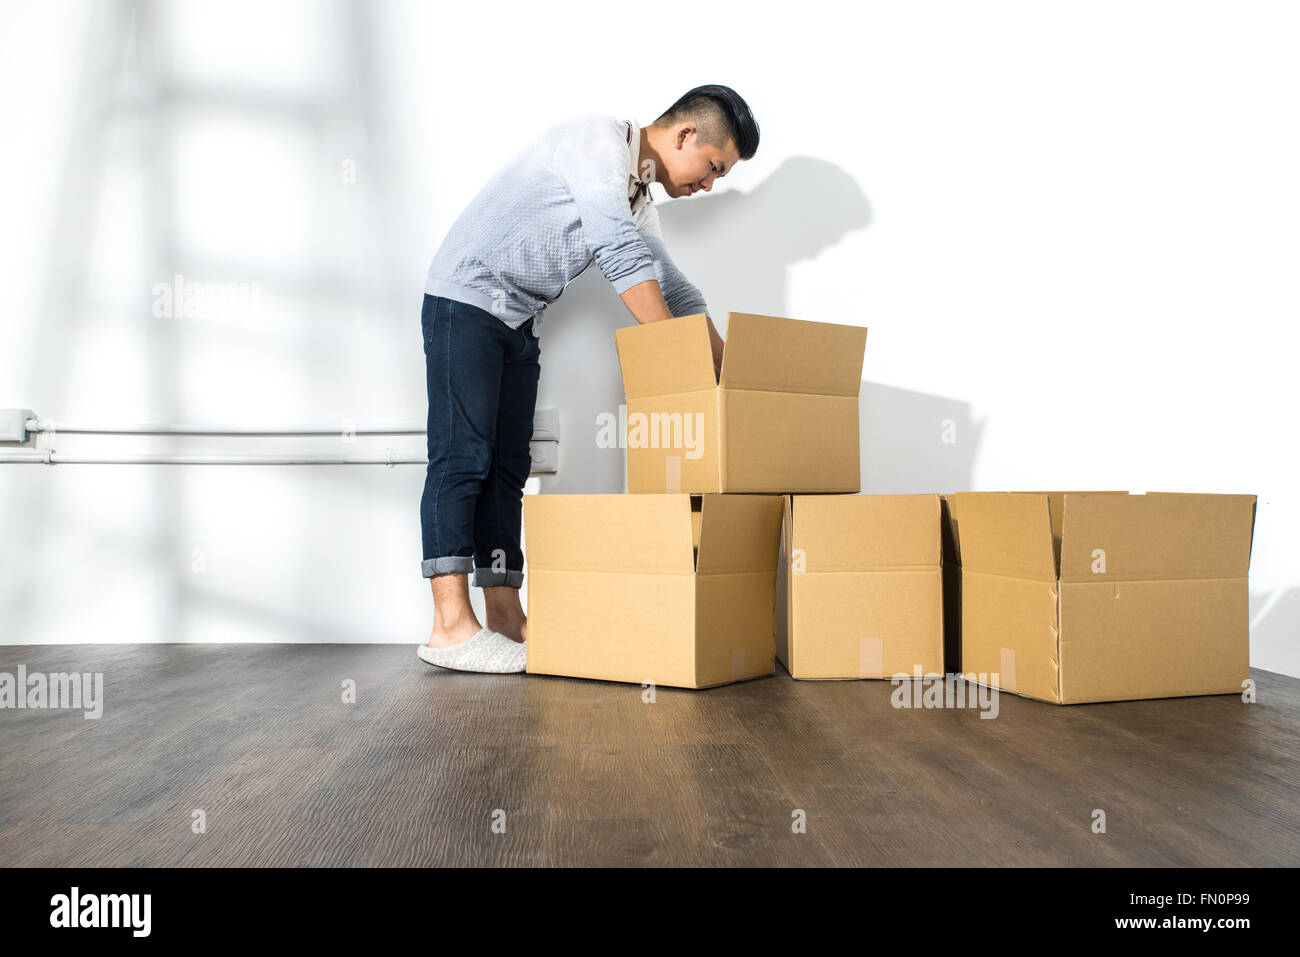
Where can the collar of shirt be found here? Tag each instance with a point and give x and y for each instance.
(638, 189)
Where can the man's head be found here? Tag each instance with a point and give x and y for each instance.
(700, 138)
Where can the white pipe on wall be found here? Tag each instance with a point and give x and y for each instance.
(40, 425)
(544, 445)
(57, 458)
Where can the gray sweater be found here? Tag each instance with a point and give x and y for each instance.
(541, 219)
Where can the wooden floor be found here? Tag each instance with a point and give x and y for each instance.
(585, 773)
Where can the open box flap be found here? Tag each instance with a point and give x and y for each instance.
(1157, 536)
(1056, 503)
(1004, 533)
(772, 354)
(867, 532)
(739, 533)
(609, 533)
(666, 357)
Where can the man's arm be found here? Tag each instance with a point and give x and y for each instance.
(681, 295)
(591, 161)
(647, 299)
(646, 302)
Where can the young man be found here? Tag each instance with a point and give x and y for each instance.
(578, 192)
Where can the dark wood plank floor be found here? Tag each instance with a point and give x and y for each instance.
(258, 738)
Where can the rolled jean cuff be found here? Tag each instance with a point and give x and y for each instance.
(486, 577)
(450, 563)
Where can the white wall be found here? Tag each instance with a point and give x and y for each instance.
(1069, 227)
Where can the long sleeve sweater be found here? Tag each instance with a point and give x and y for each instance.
(568, 198)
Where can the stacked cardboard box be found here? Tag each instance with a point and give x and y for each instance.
(675, 583)
(783, 416)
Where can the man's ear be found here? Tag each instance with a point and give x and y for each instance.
(685, 131)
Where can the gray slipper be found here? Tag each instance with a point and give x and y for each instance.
(487, 651)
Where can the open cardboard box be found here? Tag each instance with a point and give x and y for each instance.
(677, 590)
(860, 586)
(1072, 597)
(783, 417)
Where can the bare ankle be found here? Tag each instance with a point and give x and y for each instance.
(451, 633)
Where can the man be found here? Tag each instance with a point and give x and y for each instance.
(578, 193)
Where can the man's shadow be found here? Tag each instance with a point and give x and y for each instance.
(738, 248)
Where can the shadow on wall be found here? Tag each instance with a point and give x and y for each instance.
(1273, 629)
(746, 242)
(738, 247)
(912, 442)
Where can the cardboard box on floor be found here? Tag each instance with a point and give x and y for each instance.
(675, 589)
(860, 586)
(1073, 597)
(782, 418)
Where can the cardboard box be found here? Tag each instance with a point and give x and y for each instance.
(782, 418)
(860, 586)
(675, 589)
(1071, 597)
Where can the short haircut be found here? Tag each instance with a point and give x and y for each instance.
(718, 114)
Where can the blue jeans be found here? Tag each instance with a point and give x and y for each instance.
(482, 380)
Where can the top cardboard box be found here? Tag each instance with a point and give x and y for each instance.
(783, 417)
(1071, 597)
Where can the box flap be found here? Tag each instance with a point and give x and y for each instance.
(772, 354)
(1157, 536)
(649, 533)
(1056, 502)
(666, 357)
(1253, 510)
(739, 533)
(1004, 533)
(841, 533)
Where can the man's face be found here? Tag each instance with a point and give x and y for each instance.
(693, 166)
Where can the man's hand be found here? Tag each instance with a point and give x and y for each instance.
(646, 302)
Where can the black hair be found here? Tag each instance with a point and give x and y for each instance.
(719, 114)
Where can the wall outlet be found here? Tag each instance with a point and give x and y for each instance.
(545, 457)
